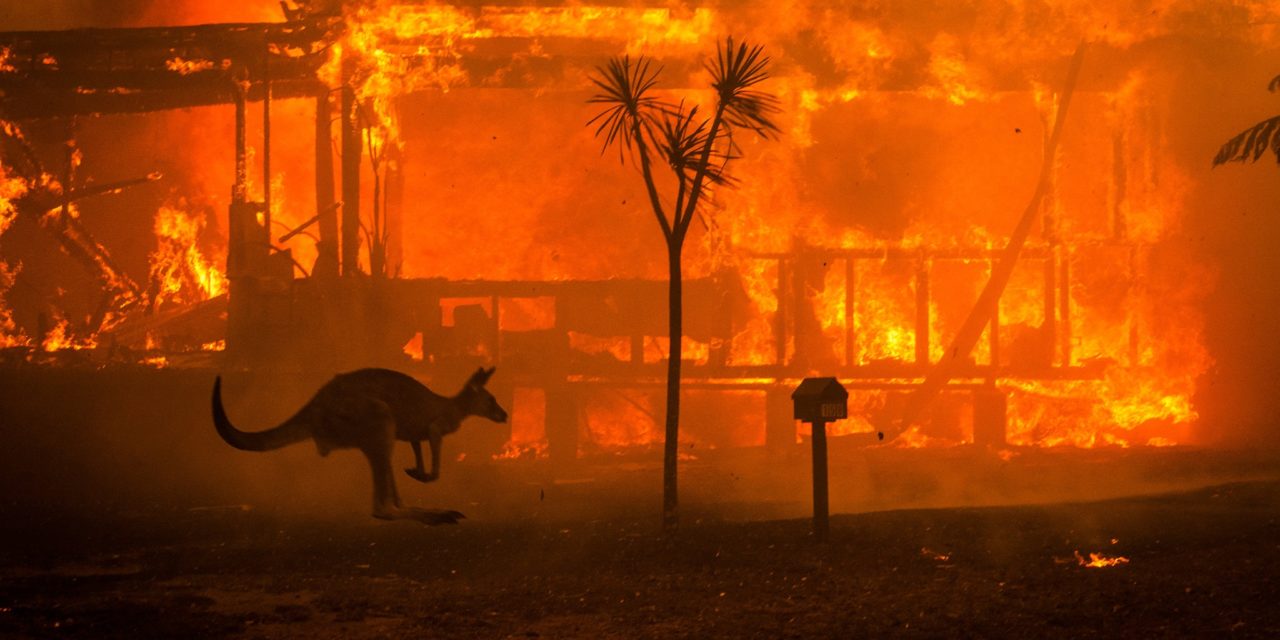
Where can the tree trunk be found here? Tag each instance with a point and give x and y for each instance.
(672, 437)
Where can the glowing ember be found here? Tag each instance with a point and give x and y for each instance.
(934, 555)
(1099, 561)
(159, 362)
(186, 67)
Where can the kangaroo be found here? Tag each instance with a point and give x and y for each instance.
(369, 410)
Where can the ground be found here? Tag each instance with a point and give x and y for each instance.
(1201, 563)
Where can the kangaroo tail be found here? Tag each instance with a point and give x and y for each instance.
(292, 430)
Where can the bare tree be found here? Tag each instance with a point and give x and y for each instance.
(696, 149)
(1253, 143)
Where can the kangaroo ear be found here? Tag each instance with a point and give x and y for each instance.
(480, 377)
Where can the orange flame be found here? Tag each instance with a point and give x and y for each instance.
(183, 274)
(185, 67)
(1099, 561)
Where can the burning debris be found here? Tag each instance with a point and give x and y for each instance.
(1099, 560)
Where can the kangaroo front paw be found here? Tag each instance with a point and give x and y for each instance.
(419, 474)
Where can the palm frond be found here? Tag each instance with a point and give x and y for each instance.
(1252, 143)
(681, 137)
(734, 74)
(625, 87)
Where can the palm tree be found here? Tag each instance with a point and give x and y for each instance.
(1253, 143)
(696, 149)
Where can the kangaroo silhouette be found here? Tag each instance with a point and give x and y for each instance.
(369, 410)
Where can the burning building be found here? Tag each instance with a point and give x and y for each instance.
(412, 184)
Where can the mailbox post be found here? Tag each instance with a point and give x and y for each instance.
(819, 401)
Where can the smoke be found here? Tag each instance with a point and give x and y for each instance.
(81, 14)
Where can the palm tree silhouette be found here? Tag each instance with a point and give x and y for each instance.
(696, 149)
(1253, 142)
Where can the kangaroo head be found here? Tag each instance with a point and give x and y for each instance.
(479, 402)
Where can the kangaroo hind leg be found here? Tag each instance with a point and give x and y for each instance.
(386, 499)
(377, 450)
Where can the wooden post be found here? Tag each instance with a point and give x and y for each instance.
(393, 210)
(1050, 300)
(328, 222)
(350, 174)
(821, 524)
(239, 196)
(780, 316)
(1064, 302)
(995, 342)
(850, 305)
(922, 313)
(266, 140)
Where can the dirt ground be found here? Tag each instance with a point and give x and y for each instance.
(1204, 563)
(124, 516)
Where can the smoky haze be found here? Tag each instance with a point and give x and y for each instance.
(916, 123)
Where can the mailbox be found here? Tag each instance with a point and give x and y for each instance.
(820, 400)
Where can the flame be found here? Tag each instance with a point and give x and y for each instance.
(528, 426)
(934, 555)
(1099, 561)
(393, 49)
(159, 362)
(1135, 326)
(181, 272)
(11, 189)
(185, 67)
(954, 78)
(61, 338)
(10, 334)
(413, 348)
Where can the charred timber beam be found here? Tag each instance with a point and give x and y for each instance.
(910, 253)
(326, 205)
(962, 344)
(266, 140)
(923, 313)
(333, 206)
(850, 308)
(81, 246)
(351, 154)
(91, 190)
(51, 104)
(91, 79)
(34, 49)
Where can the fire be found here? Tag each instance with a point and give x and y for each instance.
(952, 74)
(10, 334)
(185, 67)
(61, 338)
(906, 152)
(181, 272)
(1099, 561)
(528, 426)
(935, 555)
